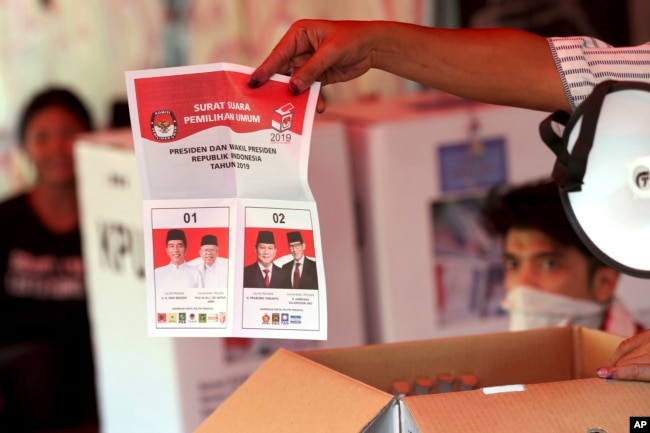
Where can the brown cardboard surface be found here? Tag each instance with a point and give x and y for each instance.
(343, 390)
(592, 350)
(289, 393)
(575, 406)
(496, 359)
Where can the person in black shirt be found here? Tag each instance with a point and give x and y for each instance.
(46, 364)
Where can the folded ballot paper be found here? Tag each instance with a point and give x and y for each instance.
(231, 230)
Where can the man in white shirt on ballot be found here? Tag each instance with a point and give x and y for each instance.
(177, 274)
(213, 269)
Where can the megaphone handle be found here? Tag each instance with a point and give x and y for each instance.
(550, 137)
(556, 143)
(580, 153)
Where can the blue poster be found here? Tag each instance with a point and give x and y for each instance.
(472, 165)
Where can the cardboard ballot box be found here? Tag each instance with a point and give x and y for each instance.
(349, 390)
(163, 384)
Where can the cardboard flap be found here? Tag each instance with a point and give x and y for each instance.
(592, 350)
(556, 406)
(289, 393)
(496, 359)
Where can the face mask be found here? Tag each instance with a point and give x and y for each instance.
(531, 308)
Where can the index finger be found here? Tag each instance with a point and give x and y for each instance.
(636, 372)
(294, 43)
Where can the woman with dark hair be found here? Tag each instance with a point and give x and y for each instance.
(46, 364)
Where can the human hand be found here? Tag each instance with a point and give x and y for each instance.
(317, 50)
(630, 361)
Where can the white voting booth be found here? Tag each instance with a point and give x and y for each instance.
(413, 157)
(163, 384)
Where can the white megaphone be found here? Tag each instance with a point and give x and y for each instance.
(603, 172)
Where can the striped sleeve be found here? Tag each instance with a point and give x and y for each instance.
(584, 62)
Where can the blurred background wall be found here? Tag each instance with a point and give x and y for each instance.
(89, 44)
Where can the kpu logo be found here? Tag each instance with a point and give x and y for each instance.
(163, 125)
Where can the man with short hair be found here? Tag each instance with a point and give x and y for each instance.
(177, 274)
(550, 277)
(264, 273)
(301, 270)
(213, 269)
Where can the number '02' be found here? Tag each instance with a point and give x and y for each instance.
(278, 218)
(189, 217)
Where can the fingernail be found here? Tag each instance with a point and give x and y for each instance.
(296, 86)
(253, 83)
(602, 372)
(254, 80)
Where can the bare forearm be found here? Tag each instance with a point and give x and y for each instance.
(500, 66)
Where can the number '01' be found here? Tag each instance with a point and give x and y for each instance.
(189, 217)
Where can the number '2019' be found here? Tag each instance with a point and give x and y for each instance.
(283, 137)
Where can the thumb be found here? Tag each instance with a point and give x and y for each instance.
(636, 372)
